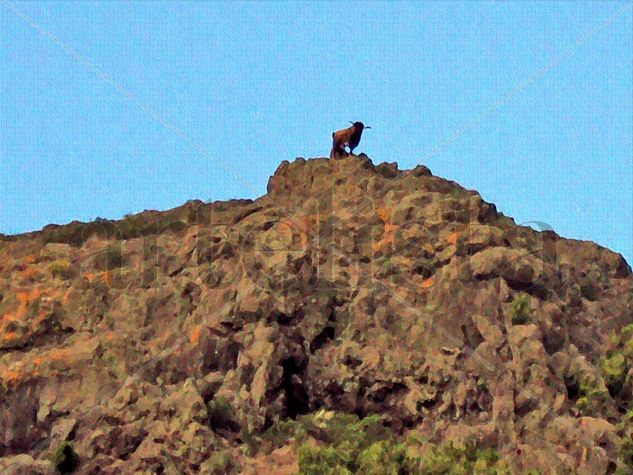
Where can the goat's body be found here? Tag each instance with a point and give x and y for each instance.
(354, 140)
(338, 144)
(349, 137)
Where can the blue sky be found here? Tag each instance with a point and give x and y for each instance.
(111, 108)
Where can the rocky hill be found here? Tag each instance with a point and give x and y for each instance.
(356, 318)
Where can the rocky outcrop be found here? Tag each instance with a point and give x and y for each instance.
(211, 338)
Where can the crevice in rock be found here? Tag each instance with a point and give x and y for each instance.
(352, 362)
(384, 392)
(246, 214)
(525, 408)
(220, 417)
(327, 334)
(553, 341)
(129, 445)
(296, 401)
(572, 386)
(285, 319)
(529, 288)
(472, 336)
(221, 355)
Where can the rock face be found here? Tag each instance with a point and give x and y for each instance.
(351, 303)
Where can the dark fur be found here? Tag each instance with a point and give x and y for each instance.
(349, 137)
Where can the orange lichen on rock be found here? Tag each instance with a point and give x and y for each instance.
(62, 355)
(25, 298)
(9, 337)
(409, 232)
(57, 359)
(383, 214)
(66, 297)
(106, 278)
(30, 272)
(194, 336)
(10, 377)
(305, 227)
(22, 370)
(388, 232)
(108, 336)
(30, 259)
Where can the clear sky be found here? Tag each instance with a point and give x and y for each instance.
(112, 108)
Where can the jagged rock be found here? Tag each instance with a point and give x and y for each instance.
(24, 463)
(347, 288)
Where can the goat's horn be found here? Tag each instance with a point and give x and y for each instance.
(351, 122)
(367, 127)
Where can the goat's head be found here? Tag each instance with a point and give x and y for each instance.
(359, 125)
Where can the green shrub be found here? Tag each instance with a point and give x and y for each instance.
(626, 333)
(322, 461)
(591, 394)
(284, 430)
(437, 461)
(385, 458)
(347, 444)
(352, 445)
(594, 398)
(109, 259)
(221, 463)
(625, 457)
(618, 359)
(521, 312)
(625, 451)
(61, 269)
(220, 414)
(131, 226)
(379, 458)
(614, 369)
(33, 308)
(589, 292)
(64, 458)
(448, 459)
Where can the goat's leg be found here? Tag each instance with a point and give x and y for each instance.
(335, 148)
(338, 149)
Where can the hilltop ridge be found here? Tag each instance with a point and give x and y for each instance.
(355, 316)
